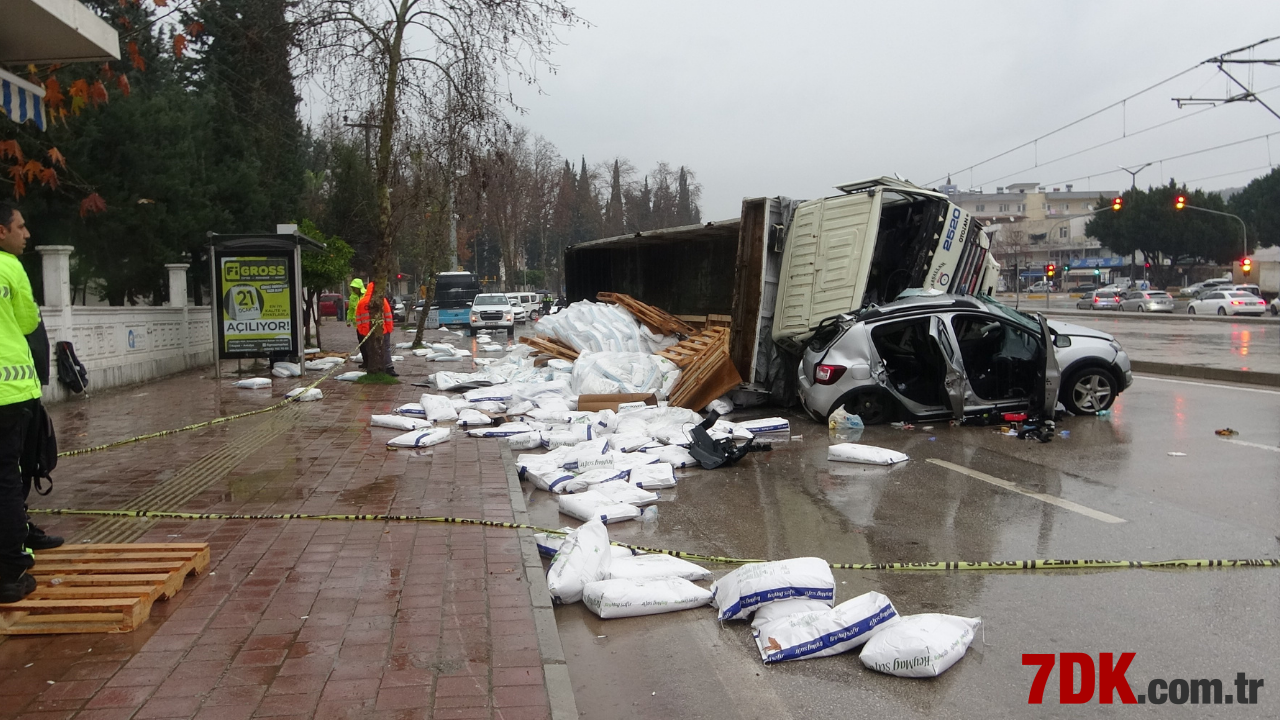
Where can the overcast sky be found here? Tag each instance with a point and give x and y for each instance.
(792, 98)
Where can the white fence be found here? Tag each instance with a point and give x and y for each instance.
(122, 345)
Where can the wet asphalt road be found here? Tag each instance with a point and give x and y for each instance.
(1219, 501)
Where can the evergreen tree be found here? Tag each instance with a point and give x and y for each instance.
(256, 158)
(664, 198)
(613, 211)
(561, 231)
(684, 204)
(586, 210)
(1259, 205)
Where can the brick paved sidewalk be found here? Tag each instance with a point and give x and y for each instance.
(324, 619)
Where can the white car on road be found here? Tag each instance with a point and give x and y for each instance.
(1227, 302)
(490, 311)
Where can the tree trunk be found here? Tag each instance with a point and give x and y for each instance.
(426, 310)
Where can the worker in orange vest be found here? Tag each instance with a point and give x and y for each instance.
(364, 325)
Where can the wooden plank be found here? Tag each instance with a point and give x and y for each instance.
(100, 580)
(58, 592)
(72, 568)
(116, 547)
(656, 319)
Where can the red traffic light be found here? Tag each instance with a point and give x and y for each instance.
(1179, 202)
(1050, 268)
(399, 276)
(1117, 203)
(1146, 265)
(1246, 265)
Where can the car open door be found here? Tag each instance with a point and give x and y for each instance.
(1050, 375)
(953, 381)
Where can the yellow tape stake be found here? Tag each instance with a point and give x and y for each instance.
(947, 566)
(207, 423)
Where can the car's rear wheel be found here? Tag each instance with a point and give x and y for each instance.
(875, 408)
(1222, 311)
(1089, 391)
(1142, 308)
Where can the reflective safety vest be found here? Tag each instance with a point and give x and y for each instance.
(19, 316)
(363, 321)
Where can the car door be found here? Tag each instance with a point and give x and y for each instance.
(953, 382)
(1051, 375)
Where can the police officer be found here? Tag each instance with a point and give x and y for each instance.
(19, 404)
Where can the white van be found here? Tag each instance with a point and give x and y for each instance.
(528, 301)
(869, 244)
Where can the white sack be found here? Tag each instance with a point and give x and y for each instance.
(499, 393)
(590, 506)
(253, 383)
(419, 438)
(657, 476)
(674, 455)
(397, 358)
(558, 438)
(866, 454)
(472, 418)
(286, 369)
(546, 477)
(305, 395)
(491, 347)
(632, 598)
(421, 352)
(525, 441)
(399, 422)
(825, 632)
(783, 608)
(583, 558)
(489, 406)
(740, 592)
(412, 410)
(351, 376)
(920, 645)
(548, 544)
(765, 425)
(403, 345)
(722, 405)
(640, 567)
(628, 443)
(503, 430)
(357, 358)
(438, 408)
(626, 493)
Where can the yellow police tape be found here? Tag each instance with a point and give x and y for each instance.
(930, 566)
(205, 424)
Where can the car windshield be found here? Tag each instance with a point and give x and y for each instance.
(491, 300)
(1017, 316)
(1240, 295)
(1159, 295)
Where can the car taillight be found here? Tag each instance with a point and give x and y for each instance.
(828, 374)
(1236, 302)
(1095, 298)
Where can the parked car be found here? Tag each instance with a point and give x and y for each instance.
(923, 358)
(1099, 300)
(1227, 302)
(1040, 286)
(332, 305)
(1084, 288)
(1147, 301)
(521, 315)
(529, 301)
(491, 310)
(1254, 289)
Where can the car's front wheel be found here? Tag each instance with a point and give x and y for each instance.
(1191, 310)
(874, 407)
(1089, 391)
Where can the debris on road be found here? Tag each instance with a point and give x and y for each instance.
(866, 454)
(583, 558)
(399, 422)
(305, 394)
(829, 631)
(1226, 432)
(420, 438)
(253, 383)
(919, 646)
(750, 587)
(633, 597)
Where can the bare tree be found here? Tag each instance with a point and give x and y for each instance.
(413, 60)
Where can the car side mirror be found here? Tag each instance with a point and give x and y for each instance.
(1062, 341)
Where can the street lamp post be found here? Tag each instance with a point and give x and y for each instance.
(1244, 232)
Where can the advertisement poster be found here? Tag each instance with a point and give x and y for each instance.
(257, 305)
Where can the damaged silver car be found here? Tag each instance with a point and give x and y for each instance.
(946, 356)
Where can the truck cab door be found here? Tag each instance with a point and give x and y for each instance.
(953, 380)
(1050, 374)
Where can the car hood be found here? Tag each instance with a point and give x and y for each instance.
(1064, 328)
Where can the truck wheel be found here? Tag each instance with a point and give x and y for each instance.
(1089, 391)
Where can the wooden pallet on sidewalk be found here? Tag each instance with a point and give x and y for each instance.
(101, 587)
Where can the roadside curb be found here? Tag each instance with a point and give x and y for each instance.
(1145, 317)
(1200, 372)
(555, 671)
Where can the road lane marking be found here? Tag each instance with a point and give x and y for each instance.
(1272, 448)
(1064, 504)
(1145, 376)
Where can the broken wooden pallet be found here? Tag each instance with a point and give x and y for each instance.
(552, 347)
(101, 587)
(706, 370)
(656, 319)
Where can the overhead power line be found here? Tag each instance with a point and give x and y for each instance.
(1171, 157)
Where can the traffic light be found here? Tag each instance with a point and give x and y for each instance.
(1097, 272)
(1245, 266)
(1066, 269)
(399, 276)
(1117, 203)
(1147, 265)
(1179, 202)
(1049, 269)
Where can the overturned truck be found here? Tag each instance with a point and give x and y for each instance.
(774, 273)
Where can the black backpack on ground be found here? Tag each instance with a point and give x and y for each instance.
(71, 372)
